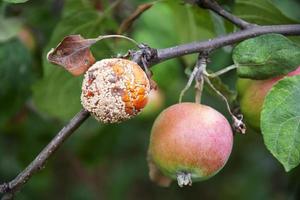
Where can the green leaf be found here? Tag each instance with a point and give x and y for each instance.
(166, 74)
(10, 28)
(280, 121)
(15, 1)
(268, 12)
(289, 8)
(260, 12)
(16, 77)
(190, 23)
(73, 6)
(58, 93)
(266, 56)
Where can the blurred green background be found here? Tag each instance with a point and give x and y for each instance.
(109, 161)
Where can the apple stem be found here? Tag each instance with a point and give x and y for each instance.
(221, 72)
(197, 75)
(184, 178)
(201, 63)
(199, 89)
(188, 84)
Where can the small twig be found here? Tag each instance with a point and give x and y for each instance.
(221, 72)
(38, 163)
(215, 7)
(153, 57)
(127, 23)
(238, 124)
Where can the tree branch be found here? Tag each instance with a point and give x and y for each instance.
(152, 56)
(211, 44)
(38, 163)
(214, 6)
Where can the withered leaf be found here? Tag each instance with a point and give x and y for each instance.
(73, 53)
(127, 23)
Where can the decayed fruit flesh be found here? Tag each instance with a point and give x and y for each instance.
(114, 90)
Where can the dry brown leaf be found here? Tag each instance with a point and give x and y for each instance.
(73, 53)
(127, 23)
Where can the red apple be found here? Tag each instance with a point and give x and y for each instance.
(190, 142)
(252, 94)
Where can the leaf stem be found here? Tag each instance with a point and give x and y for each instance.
(102, 37)
(221, 72)
(189, 83)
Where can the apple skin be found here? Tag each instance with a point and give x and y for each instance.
(190, 138)
(251, 95)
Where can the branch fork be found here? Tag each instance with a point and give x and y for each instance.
(215, 7)
(147, 56)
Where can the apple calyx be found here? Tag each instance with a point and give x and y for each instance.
(184, 179)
